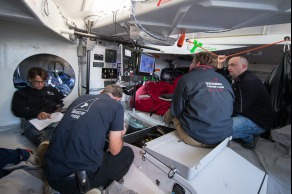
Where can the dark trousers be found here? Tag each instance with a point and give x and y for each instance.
(36, 136)
(112, 168)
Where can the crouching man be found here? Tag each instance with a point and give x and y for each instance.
(76, 160)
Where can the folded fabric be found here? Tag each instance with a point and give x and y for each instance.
(147, 97)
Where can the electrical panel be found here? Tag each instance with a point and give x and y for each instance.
(109, 73)
(129, 61)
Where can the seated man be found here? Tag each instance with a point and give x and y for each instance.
(202, 105)
(253, 112)
(77, 146)
(37, 101)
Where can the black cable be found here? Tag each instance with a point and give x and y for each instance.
(156, 78)
(114, 41)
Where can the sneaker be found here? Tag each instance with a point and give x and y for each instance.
(250, 145)
(94, 191)
(41, 151)
(50, 190)
(121, 181)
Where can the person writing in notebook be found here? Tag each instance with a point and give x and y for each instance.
(37, 101)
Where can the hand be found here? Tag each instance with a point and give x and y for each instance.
(221, 58)
(43, 116)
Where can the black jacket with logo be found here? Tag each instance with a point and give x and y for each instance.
(28, 102)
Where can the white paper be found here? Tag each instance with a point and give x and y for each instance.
(41, 124)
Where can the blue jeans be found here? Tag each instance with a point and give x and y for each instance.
(36, 136)
(245, 129)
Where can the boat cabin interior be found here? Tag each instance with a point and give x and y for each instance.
(85, 45)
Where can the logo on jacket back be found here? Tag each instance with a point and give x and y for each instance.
(82, 108)
(215, 85)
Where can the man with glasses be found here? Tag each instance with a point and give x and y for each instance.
(37, 101)
(253, 113)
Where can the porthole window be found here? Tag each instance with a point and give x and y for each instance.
(60, 73)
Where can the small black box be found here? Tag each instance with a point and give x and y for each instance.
(98, 57)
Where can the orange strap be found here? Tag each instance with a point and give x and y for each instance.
(235, 54)
(267, 45)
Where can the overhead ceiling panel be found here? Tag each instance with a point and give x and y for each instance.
(201, 16)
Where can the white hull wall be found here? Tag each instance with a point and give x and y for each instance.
(18, 42)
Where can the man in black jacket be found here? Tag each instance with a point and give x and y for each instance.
(36, 101)
(202, 105)
(253, 113)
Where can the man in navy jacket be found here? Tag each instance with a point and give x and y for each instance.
(202, 104)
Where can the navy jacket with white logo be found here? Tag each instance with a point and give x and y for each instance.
(203, 103)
